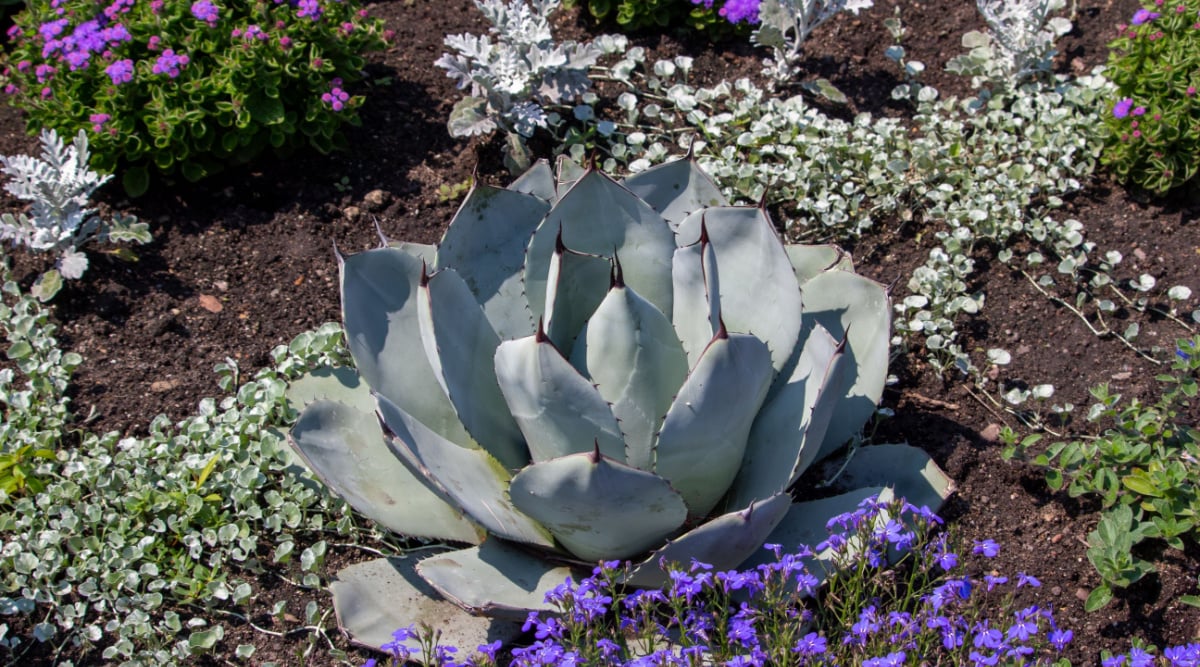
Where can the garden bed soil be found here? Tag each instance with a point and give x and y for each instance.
(243, 262)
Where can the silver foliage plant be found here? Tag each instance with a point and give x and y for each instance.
(1018, 44)
(786, 24)
(587, 370)
(513, 78)
(59, 184)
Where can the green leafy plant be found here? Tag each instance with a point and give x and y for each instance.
(1145, 468)
(1154, 124)
(570, 375)
(447, 192)
(189, 87)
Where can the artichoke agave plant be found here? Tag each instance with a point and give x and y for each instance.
(583, 370)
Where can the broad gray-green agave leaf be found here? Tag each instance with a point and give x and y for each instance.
(586, 370)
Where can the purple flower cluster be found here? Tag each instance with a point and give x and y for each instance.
(88, 38)
(309, 8)
(1176, 656)
(169, 63)
(736, 11)
(206, 11)
(336, 97)
(731, 618)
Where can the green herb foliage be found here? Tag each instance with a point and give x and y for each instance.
(1144, 470)
(1154, 126)
(189, 86)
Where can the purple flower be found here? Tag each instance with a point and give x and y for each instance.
(169, 63)
(120, 71)
(309, 8)
(1122, 107)
(988, 548)
(1140, 658)
(1060, 638)
(810, 644)
(98, 120)
(1143, 16)
(205, 11)
(1027, 580)
(736, 11)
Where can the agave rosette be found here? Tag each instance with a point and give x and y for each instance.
(583, 370)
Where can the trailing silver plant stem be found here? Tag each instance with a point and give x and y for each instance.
(786, 24)
(59, 184)
(1018, 45)
(515, 77)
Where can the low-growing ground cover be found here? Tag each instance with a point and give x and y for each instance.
(243, 263)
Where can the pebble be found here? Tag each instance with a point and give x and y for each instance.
(990, 433)
(163, 385)
(375, 200)
(352, 212)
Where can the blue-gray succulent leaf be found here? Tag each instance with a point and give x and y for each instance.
(812, 260)
(597, 216)
(485, 243)
(703, 436)
(538, 181)
(696, 282)
(575, 286)
(676, 189)
(379, 310)
(758, 290)
(373, 598)
(497, 579)
(460, 345)
(630, 350)
(567, 173)
(599, 508)
(344, 447)
(724, 542)
(557, 409)
(783, 440)
(907, 470)
(836, 300)
(334, 383)
(425, 252)
(472, 478)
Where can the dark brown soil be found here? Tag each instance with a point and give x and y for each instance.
(244, 262)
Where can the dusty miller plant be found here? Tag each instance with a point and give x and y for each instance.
(1018, 45)
(786, 24)
(514, 78)
(59, 221)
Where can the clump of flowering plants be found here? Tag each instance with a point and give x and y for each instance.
(189, 86)
(1154, 122)
(896, 593)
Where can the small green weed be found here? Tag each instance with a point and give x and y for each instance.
(1143, 470)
